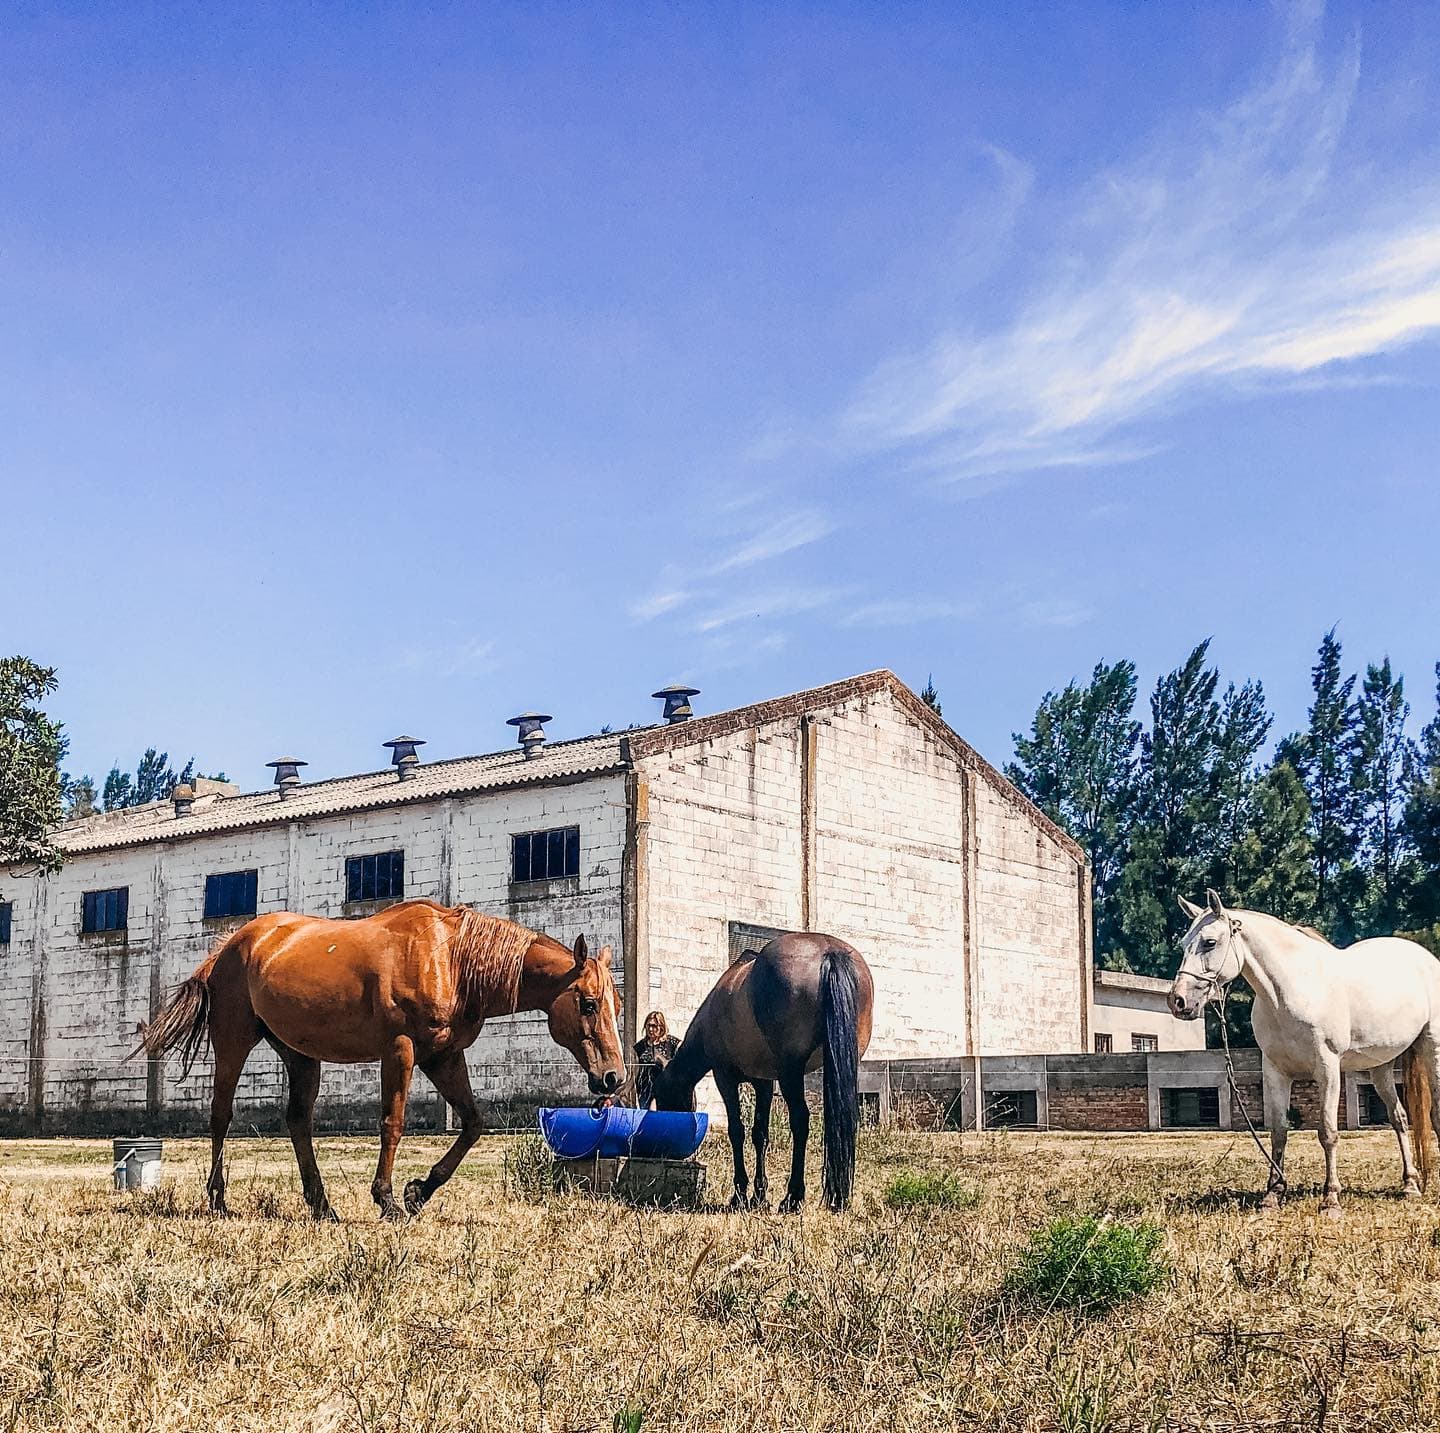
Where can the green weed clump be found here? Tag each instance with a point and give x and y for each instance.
(930, 1189)
(1089, 1263)
(529, 1169)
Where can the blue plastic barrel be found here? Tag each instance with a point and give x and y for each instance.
(619, 1130)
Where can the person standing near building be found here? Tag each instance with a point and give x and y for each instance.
(654, 1052)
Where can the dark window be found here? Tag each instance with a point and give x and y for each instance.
(380, 877)
(7, 909)
(232, 893)
(1011, 1107)
(1191, 1109)
(105, 910)
(545, 855)
(1104, 1045)
(746, 938)
(1372, 1107)
(1145, 1044)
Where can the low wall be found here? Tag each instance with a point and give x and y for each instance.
(1176, 1089)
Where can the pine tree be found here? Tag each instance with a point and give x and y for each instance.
(1324, 758)
(1275, 858)
(31, 749)
(1422, 824)
(1169, 844)
(931, 697)
(1385, 762)
(1078, 765)
(81, 798)
(1244, 724)
(154, 779)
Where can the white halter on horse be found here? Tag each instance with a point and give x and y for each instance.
(1320, 1011)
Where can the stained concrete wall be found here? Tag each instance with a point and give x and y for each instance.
(1124, 1011)
(857, 819)
(70, 1003)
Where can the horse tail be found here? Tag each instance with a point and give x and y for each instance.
(839, 1002)
(1420, 1104)
(184, 1019)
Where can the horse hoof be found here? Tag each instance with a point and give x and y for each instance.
(415, 1197)
(1410, 1192)
(760, 1205)
(739, 1203)
(790, 1206)
(1331, 1212)
(1270, 1201)
(324, 1214)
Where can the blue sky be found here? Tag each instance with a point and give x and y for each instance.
(395, 368)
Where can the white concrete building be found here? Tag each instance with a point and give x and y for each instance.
(1130, 1016)
(851, 808)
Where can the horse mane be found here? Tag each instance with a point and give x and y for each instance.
(1312, 933)
(488, 956)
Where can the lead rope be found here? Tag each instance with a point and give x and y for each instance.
(1235, 1098)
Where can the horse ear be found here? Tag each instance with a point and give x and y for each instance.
(579, 950)
(1213, 901)
(1190, 909)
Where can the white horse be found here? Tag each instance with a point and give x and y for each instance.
(1319, 1011)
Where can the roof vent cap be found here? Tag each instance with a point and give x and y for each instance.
(403, 755)
(677, 701)
(183, 799)
(287, 773)
(532, 730)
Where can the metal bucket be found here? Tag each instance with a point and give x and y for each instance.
(137, 1163)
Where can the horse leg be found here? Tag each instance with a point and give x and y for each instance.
(304, 1079)
(728, 1083)
(1383, 1078)
(233, 1034)
(792, 1088)
(760, 1134)
(1277, 1107)
(395, 1068)
(450, 1075)
(1329, 1081)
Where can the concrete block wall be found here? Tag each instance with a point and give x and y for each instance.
(723, 845)
(1033, 957)
(725, 842)
(71, 1003)
(890, 868)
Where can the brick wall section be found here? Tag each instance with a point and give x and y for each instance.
(1103, 1107)
(93, 990)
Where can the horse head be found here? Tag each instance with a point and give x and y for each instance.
(1210, 957)
(584, 1018)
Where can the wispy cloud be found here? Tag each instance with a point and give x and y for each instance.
(761, 540)
(1055, 612)
(784, 534)
(464, 657)
(903, 613)
(774, 602)
(657, 604)
(1235, 251)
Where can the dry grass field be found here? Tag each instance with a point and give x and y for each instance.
(495, 1312)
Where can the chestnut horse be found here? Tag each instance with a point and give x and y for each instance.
(409, 986)
(801, 1002)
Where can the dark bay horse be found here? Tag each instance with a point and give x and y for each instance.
(408, 987)
(803, 1001)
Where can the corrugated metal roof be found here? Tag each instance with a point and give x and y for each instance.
(558, 761)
